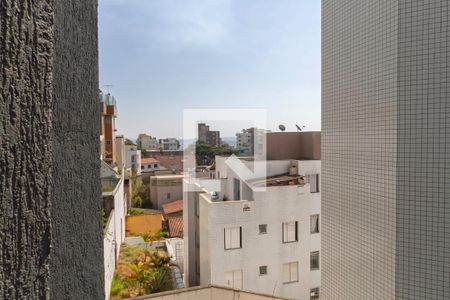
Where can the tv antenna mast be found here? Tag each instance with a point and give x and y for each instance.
(300, 129)
(107, 86)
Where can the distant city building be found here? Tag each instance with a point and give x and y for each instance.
(207, 136)
(261, 241)
(251, 141)
(133, 158)
(150, 164)
(147, 142)
(170, 144)
(108, 127)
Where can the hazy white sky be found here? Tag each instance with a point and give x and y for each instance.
(163, 56)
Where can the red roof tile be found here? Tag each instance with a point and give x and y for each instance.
(176, 226)
(172, 207)
(149, 161)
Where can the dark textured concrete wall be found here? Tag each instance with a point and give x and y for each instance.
(50, 225)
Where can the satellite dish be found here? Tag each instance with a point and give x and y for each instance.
(282, 127)
(300, 129)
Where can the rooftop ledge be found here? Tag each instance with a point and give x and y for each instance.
(209, 292)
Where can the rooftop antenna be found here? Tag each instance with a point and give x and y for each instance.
(282, 127)
(300, 129)
(107, 86)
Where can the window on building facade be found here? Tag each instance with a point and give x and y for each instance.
(314, 223)
(314, 183)
(314, 293)
(237, 189)
(133, 158)
(315, 260)
(233, 279)
(168, 196)
(290, 233)
(155, 165)
(232, 238)
(262, 228)
(290, 272)
(196, 208)
(142, 167)
(262, 270)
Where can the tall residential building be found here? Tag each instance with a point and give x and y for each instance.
(202, 130)
(108, 127)
(261, 241)
(207, 136)
(147, 142)
(251, 141)
(133, 159)
(385, 149)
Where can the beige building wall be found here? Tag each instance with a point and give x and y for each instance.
(293, 145)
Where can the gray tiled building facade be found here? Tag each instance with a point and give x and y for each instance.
(385, 149)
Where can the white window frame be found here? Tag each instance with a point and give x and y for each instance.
(232, 238)
(290, 272)
(290, 232)
(316, 254)
(236, 281)
(314, 221)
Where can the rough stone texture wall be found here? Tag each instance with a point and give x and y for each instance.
(26, 51)
(50, 225)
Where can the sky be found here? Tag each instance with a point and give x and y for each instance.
(165, 56)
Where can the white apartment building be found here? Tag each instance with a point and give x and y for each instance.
(261, 241)
(251, 141)
(169, 144)
(147, 142)
(133, 158)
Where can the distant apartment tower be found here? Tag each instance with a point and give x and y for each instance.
(147, 142)
(169, 144)
(207, 136)
(133, 159)
(250, 141)
(260, 241)
(108, 127)
(385, 149)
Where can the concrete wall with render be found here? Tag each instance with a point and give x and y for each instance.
(293, 145)
(49, 156)
(208, 293)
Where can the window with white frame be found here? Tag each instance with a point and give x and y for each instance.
(314, 293)
(290, 272)
(315, 260)
(290, 233)
(232, 238)
(314, 223)
(314, 183)
(233, 279)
